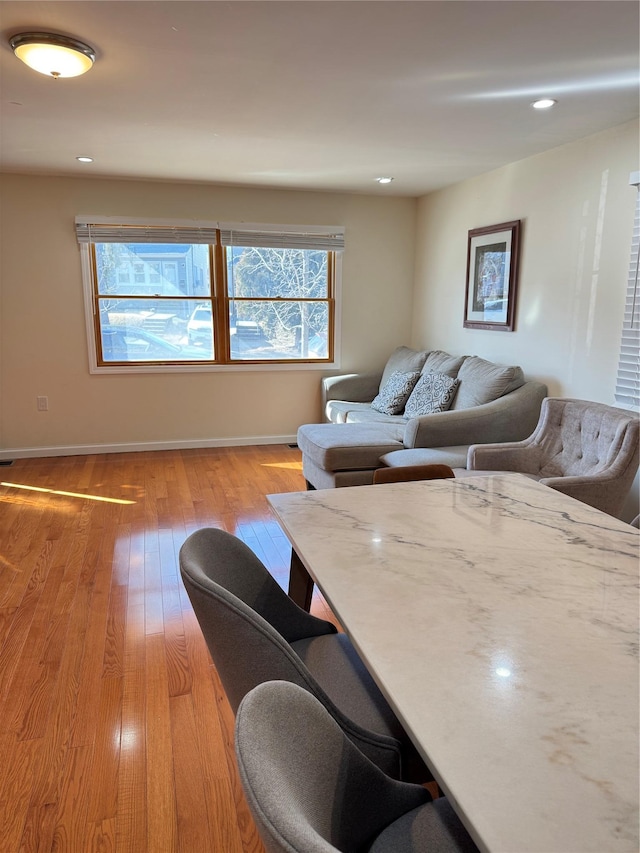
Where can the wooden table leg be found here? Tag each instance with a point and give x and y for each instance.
(300, 583)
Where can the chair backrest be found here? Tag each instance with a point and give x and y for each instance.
(408, 473)
(247, 620)
(309, 789)
(248, 623)
(581, 438)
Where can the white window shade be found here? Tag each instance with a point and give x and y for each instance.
(628, 380)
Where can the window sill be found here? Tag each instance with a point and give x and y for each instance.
(128, 369)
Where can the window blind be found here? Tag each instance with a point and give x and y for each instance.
(628, 380)
(96, 232)
(324, 238)
(286, 237)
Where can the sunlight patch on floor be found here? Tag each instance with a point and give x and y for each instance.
(66, 494)
(5, 564)
(292, 466)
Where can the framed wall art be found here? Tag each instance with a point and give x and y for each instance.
(492, 277)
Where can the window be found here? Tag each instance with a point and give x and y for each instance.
(166, 296)
(628, 380)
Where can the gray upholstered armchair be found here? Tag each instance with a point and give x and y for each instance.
(586, 450)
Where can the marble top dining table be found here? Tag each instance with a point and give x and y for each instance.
(500, 619)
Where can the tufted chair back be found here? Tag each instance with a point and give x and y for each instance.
(587, 450)
(577, 437)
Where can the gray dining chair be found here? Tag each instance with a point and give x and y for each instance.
(255, 633)
(310, 790)
(586, 450)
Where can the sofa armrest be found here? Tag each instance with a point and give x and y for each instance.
(509, 418)
(353, 387)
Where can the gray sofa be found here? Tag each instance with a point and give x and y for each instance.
(492, 403)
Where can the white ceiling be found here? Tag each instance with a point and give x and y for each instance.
(316, 95)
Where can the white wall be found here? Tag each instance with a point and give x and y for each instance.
(577, 212)
(576, 208)
(43, 348)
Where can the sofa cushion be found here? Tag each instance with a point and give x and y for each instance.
(455, 457)
(337, 411)
(482, 381)
(321, 479)
(343, 412)
(395, 392)
(405, 360)
(433, 392)
(439, 361)
(362, 416)
(348, 447)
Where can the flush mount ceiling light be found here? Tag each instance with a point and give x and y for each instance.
(384, 180)
(53, 55)
(85, 159)
(544, 104)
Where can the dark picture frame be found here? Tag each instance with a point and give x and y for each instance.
(492, 277)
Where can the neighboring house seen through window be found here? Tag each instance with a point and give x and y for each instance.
(162, 296)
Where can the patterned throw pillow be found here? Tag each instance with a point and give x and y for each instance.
(395, 393)
(433, 392)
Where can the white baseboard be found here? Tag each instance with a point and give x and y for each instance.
(129, 447)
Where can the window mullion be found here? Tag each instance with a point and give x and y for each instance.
(220, 300)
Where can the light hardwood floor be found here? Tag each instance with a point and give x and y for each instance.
(115, 733)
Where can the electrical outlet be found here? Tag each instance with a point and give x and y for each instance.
(42, 404)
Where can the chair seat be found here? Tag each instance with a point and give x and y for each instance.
(463, 473)
(339, 670)
(337, 667)
(433, 827)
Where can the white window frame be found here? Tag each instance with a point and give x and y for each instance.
(226, 228)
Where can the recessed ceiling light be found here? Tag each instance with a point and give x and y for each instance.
(384, 180)
(544, 104)
(84, 159)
